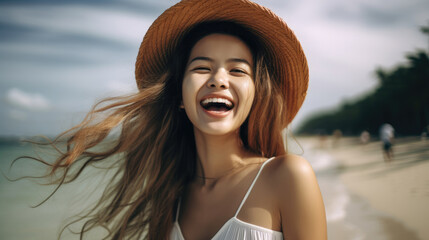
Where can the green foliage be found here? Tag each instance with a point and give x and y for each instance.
(401, 99)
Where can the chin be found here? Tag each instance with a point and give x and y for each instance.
(216, 129)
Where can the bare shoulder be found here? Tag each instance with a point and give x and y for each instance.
(297, 192)
(292, 177)
(290, 167)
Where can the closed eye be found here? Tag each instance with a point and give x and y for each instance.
(201, 69)
(238, 71)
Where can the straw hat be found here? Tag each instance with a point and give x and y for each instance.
(284, 51)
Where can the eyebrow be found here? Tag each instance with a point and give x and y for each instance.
(240, 60)
(201, 58)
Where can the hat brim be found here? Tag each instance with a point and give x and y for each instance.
(287, 59)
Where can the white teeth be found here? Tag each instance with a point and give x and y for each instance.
(217, 100)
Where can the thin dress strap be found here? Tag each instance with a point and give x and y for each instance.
(178, 210)
(251, 186)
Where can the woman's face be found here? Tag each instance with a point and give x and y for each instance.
(218, 87)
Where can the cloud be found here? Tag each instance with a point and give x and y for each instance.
(376, 14)
(17, 115)
(120, 87)
(28, 101)
(89, 21)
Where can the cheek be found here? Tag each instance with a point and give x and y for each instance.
(185, 93)
(248, 93)
(189, 92)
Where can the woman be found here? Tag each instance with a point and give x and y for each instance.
(203, 156)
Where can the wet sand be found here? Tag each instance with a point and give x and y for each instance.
(388, 199)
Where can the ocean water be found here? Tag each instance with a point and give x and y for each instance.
(19, 220)
(335, 194)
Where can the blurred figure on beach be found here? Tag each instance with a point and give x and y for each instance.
(364, 137)
(323, 136)
(337, 134)
(425, 133)
(387, 134)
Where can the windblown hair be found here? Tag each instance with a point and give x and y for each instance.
(156, 142)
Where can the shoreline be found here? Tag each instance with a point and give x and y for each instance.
(394, 195)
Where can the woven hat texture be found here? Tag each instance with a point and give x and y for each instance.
(284, 51)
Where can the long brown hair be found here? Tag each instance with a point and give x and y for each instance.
(157, 145)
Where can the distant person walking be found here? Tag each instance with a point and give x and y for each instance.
(425, 133)
(387, 134)
(365, 137)
(337, 134)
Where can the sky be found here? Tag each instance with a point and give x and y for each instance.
(59, 57)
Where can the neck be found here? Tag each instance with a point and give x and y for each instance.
(218, 155)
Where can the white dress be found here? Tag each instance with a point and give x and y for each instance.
(234, 228)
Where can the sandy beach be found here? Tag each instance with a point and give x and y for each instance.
(387, 200)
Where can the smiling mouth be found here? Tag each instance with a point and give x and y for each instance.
(217, 104)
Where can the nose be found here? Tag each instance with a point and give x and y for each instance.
(219, 80)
